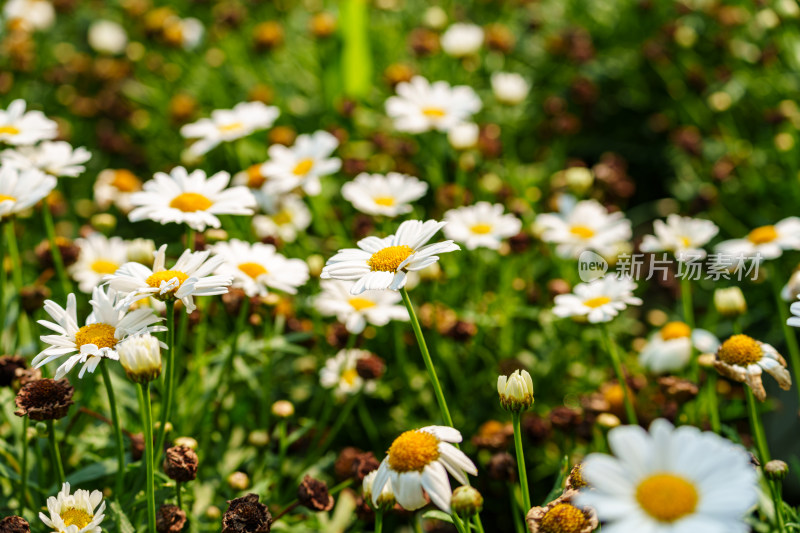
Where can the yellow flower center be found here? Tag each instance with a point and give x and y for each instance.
(254, 177)
(233, 126)
(584, 232)
(166, 275)
(667, 497)
(359, 304)
(125, 181)
(101, 266)
(282, 217)
(740, 350)
(433, 112)
(101, 335)
(5, 197)
(190, 202)
(349, 376)
(388, 259)
(76, 517)
(252, 269)
(686, 242)
(303, 167)
(413, 451)
(675, 330)
(8, 130)
(481, 229)
(597, 302)
(563, 518)
(386, 201)
(576, 476)
(762, 235)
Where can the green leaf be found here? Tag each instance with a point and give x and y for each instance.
(123, 523)
(94, 471)
(438, 515)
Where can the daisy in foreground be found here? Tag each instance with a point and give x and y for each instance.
(421, 106)
(373, 307)
(389, 195)
(75, 513)
(600, 300)
(766, 242)
(228, 125)
(670, 349)
(586, 225)
(190, 199)
(99, 256)
(417, 464)
(20, 128)
(670, 480)
(742, 358)
(481, 225)
(302, 164)
(379, 264)
(255, 268)
(109, 324)
(683, 236)
(21, 189)
(190, 277)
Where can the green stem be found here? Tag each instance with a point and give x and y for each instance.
(13, 253)
(58, 468)
(426, 356)
(478, 524)
(688, 317)
(227, 370)
(519, 526)
(147, 422)
(756, 427)
(788, 332)
(523, 471)
(611, 347)
(169, 378)
(58, 261)
(3, 284)
(713, 402)
(23, 474)
(378, 521)
(112, 402)
(775, 489)
(178, 495)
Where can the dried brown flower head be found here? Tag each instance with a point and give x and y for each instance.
(246, 515)
(170, 519)
(180, 463)
(313, 494)
(44, 399)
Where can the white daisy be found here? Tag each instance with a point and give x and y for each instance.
(340, 373)
(421, 106)
(75, 513)
(384, 263)
(670, 480)
(99, 256)
(670, 348)
(21, 189)
(107, 37)
(192, 199)
(460, 39)
(480, 225)
(228, 125)
(187, 32)
(190, 277)
(509, 88)
(20, 128)
(116, 186)
(683, 236)
(373, 307)
(56, 158)
(257, 267)
(287, 215)
(585, 226)
(417, 464)
(765, 242)
(302, 164)
(389, 195)
(109, 324)
(743, 359)
(600, 300)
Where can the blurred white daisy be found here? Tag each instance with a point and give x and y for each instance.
(340, 374)
(56, 158)
(191, 199)
(670, 348)
(462, 39)
(480, 225)
(389, 195)
(257, 267)
(464, 136)
(302, 164)
(99, 256)
(29, 15)
(683, 236)
(509, 88)
(743, 359)
(21, 189)
(586, 225)
(417, 464)
(109, 324)
(191, 276)
(670, 480)
(355, 312)
(107, 37)
(228, 125)
(765, 242)
(75, 513)
(186, 32)
(421, 106)
(115, 186)
(383, 263)
(286, 216)
(19, 128)
(600, 300)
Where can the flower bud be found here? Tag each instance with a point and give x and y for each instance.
(283, 408)
(238, 481)
(463, 136)
(776, 470)
(467, 501)
(516, 391)
(141, 251)
(140, 356)
(385, 500)
(730, 302)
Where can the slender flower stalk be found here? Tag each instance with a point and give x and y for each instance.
(23, 471)
(756, 427)
(58, 468)
(611, 348)
(3, 283)
(112, 402)
(147, 422)
(178, 495)
(58, 261)
(688, 318)
(523, 474)
(169, 377)
(378, 521)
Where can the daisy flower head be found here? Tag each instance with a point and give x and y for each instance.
(355, 312)
(21, 189)
(109, 324)
(765, 242)
(116, 186)
(586, 225)
(683, 236)
(228, 125)
(743, 359)
(286, 216)
(600, 300)
(302, 164)
(562, 516)
(462, 39)
(417, 464)
(509, 87)
(669, 480)
(191, 276)
(29, 15)
(421, 106)
(670, 348)
(379, 264)
(256, 268)
(75, 513)
(340, 373)
(57, 158)
(19, 128)
(99, 256)
(480, 225)
(389, 195)
(187, 33)
(191, 199)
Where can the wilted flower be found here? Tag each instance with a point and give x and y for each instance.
(44, 399)
(180, 464)
(742, 358)
(246, 515)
